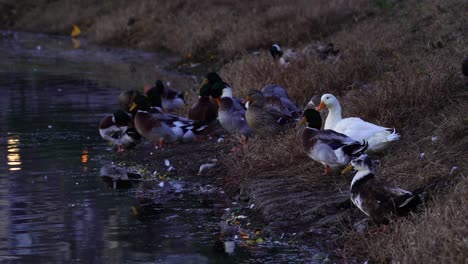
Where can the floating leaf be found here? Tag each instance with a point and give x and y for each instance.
(76, 31)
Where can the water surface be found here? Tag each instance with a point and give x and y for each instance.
(54, 207)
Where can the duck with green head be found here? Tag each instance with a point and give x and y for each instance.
(161, 96)
(328, 147)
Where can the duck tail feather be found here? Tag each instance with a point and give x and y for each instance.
(394, 136)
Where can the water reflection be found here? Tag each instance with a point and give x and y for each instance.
(13, 156)
(59, 210)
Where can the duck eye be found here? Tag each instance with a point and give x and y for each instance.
(328, 97)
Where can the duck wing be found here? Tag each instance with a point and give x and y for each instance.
(358, 129)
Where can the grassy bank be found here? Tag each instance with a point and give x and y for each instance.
(399, 67)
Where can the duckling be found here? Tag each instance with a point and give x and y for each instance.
(328, 147)
(163, 128)
(265, 121)
(160, 96)
(116, 129)
(378, 137)
(378, 199)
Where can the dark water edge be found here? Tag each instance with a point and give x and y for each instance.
(54, 206)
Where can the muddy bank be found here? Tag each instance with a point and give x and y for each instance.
(283, 207)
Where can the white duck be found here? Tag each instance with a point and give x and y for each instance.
(378, 137)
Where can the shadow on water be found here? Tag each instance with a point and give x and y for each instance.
(53, 204)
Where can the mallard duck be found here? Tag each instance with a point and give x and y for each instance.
(160, 96)
(232, 120)
(263, 120)
(205, 110)
(378, 137)
(328, 147)
(276, 96)
(378, 199)
(215, 87)
(126, 99)
(163, 128)
(116, 129)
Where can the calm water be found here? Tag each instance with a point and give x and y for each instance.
(54, 207)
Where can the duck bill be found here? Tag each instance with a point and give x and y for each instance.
(133, 107)
(218, 101)
(303, 121)
(347, 169)
(321, 106)
(247, 99)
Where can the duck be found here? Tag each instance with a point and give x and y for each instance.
(376, 198)
(277, 97)
(126, 99)
(160, 96)
(328, 147)
(215, 87)
(204, 110)
(160, 128)
(117, 129)
(231, 119)
(284, 57)
(379, 138)
(263, 120)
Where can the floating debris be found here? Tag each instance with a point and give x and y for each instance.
(434, 138)
(168, 165)
(229, 247)
(421, 155)
(76, 31)
(204, 168)
(454, 168)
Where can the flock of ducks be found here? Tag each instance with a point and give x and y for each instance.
(264, 113)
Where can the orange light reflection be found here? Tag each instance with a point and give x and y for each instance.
(13, 156)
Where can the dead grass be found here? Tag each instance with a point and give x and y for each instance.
(399, 67)
(399, 71)
(200, 28)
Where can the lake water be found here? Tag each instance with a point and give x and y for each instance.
(54, 207)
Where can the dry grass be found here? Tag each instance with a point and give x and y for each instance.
(399, 68)
(199, 28)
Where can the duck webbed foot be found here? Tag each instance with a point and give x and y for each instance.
(327, 170)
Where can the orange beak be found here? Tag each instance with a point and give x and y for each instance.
(321, 106)
(303, 121)
(247, 99)
(218, 101)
